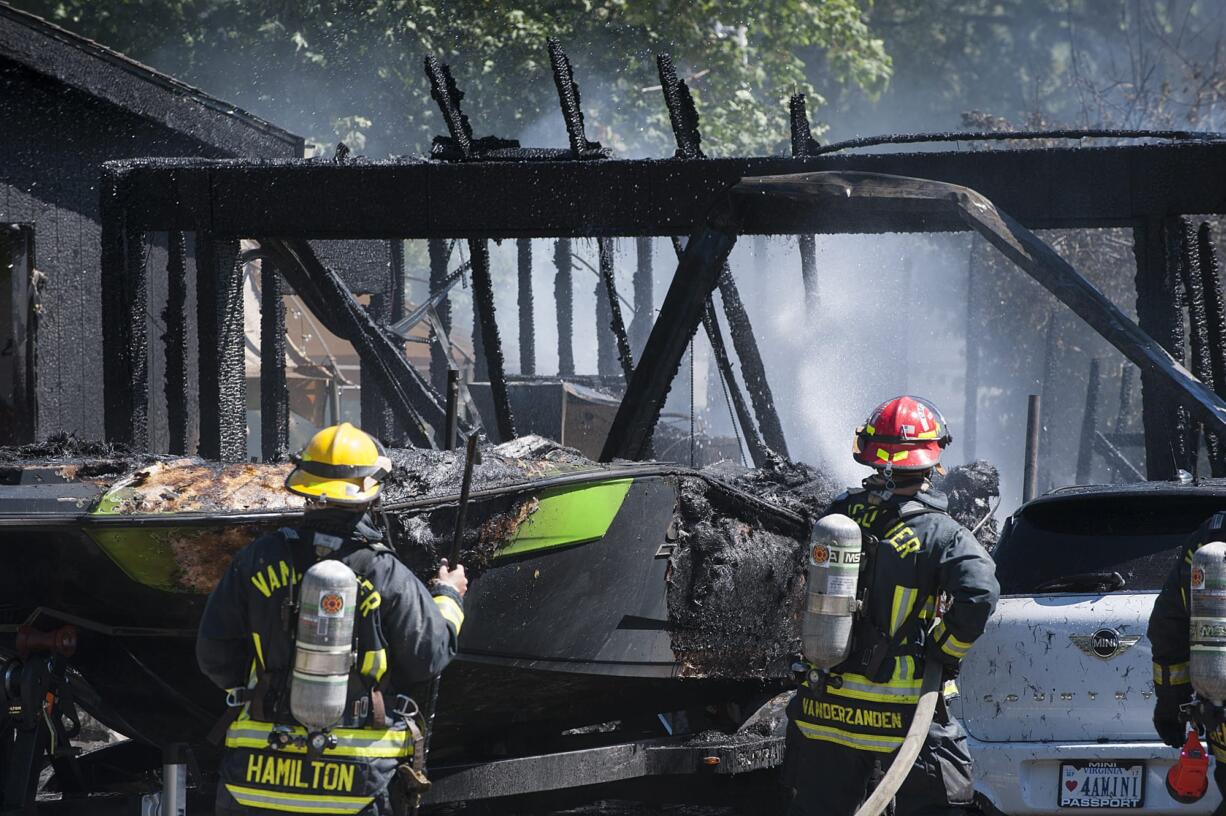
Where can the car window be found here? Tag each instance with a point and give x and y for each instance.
(1076, 544)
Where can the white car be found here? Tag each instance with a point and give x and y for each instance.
(1058, 694)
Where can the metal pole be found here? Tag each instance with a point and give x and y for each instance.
(174, 781)
(1030, 473)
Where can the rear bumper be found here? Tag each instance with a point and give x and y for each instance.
(1024, 777)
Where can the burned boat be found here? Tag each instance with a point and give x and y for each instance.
(599, 592)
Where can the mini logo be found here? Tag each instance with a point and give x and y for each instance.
(1105, 643)
(1198, 578)
(331, 605)
(821, 554)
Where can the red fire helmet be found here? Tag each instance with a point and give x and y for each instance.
(905, 433)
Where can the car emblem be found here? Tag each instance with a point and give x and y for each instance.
(1105, 643)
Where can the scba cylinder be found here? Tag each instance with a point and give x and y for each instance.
(830, 604)
(1207, 600)
(323, 652)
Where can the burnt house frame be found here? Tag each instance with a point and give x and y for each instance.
(67, 105)
(1143, 187)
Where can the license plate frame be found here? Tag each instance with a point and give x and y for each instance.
(1099, 783)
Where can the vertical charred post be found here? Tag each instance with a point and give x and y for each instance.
(439, 364)
(1127, 373)
(644, 296)
(274, 391)
(752, 368)
(808, 273)
(445, 92)
(175, 340)
(527, 331)
(572, 110)
(1051, 352)
(970, 422)
(710, 322)
(614, 321)
(606, 354)
(1198, 324)
(564, 299)
(802, 145)
(1089, 424)
(681, 111)
(484, 317)
(124, 332)
(1158, 313)
(1215, 314)
(219, 316)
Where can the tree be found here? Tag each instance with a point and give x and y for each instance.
(352, 69)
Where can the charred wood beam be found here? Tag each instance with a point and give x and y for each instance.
(1089, 425)
(564, 301)
(705, 254)
(223, 377)
(609, 313)
(445, 93)
(644, 296)
(174, 317)
(527, 323)
(681, 111)
(696, 277)
(572, 110)
(1198, 327)
(387, 309)
(1215, 313)
(808, 273)
(710, 322)
(1042, 188)
(418, 409)
(1127, 373)
(439, 364)
(491, 343)
(125, 299)
(970, 419)
(274, 391)
(1051, 350)
(1159, 298)
(752, 367)
(803, 143)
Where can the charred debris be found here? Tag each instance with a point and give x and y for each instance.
(737, 545)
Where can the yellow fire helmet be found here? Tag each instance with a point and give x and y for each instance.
(341, 465)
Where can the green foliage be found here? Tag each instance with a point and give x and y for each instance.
(328, 67)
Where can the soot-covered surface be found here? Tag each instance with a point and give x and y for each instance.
(974, 493)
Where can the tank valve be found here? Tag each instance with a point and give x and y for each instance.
(1188, 778)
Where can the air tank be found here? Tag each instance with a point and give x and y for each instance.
(323, 651)
(1207, 600)
(830, 602)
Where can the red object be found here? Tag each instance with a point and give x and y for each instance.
(1188, 779)
(905, 433)
(62, 641)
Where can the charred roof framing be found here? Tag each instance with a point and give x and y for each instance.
(491, 188)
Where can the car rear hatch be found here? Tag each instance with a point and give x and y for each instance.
(1064, 658)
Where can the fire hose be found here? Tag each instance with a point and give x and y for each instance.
(904, 760)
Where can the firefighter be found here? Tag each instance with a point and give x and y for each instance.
(403, 634)
(1169, 633)
(930, 589)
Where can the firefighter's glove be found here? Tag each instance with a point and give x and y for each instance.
(950, 665)
(1169, 722)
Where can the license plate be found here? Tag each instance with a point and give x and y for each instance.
(1102, 784)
